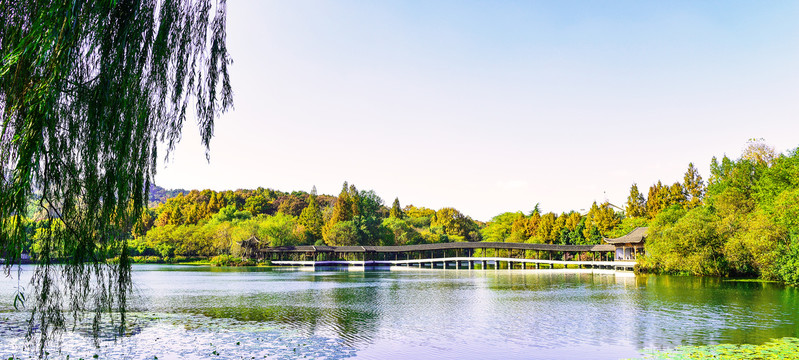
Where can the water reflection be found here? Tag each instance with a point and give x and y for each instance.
(454, 314)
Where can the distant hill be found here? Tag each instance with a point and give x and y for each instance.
(159, 195)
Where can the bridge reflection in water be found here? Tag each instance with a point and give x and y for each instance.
(458, 255)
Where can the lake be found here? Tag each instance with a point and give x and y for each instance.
(196, 312)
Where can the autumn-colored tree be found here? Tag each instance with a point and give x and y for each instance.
(418, 212)
(523, 228)
(292, 204)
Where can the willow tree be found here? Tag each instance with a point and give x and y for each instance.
(89, 91)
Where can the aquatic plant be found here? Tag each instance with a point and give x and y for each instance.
(784, 348)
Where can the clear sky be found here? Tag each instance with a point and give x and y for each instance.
(494, 106)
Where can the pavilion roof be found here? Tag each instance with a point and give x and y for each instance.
(638, 235)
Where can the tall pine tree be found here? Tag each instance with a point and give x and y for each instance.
(342, 210)
(676, 195)
(694, 186)
(311, 217)
(396, 210)
(636, 204)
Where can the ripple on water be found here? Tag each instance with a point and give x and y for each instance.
(176, 336)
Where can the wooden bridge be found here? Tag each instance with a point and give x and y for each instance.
(458, 255)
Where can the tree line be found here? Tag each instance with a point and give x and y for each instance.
(742, 222)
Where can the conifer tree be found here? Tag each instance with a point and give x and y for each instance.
(636, 205)
(606, 219)
(355, 202)
(344, 205)
(522, 228)
(676, 194)
(694, 186)
(396, 210)
(311, 217)
(573, 220)
(590, 221)
(545, 227)
(342, 210)
(656, 199)
(176, 217)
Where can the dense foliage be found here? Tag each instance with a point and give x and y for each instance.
(209, 223)
(743, 223)
(748, 224)
(88, 92)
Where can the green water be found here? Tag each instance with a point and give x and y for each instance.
(186, 312)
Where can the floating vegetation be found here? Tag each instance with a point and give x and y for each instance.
(784, 348)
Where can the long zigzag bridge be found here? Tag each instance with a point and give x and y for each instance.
(457, 255)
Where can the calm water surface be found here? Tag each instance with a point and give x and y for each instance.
(184, 312)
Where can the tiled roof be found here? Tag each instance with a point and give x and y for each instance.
(638, 235)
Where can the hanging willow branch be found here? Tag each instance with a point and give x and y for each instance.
(88, 90)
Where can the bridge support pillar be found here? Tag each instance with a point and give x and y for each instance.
(484, 265)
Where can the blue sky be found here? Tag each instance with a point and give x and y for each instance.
(495, 106)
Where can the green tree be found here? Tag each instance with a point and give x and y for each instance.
(500, 228)
(694, 187)
(589, 229)
(278, 230)
(545, 227)
(311, 217)
(396, 210)
(676, 195)
(606, 219)
(636, 204)
(689, 243)
(401, 232)
(657, 199)
(342, 233)
(456, 224)
(257, 205)
(368, 221)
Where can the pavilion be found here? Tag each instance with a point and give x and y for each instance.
(629, 246)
